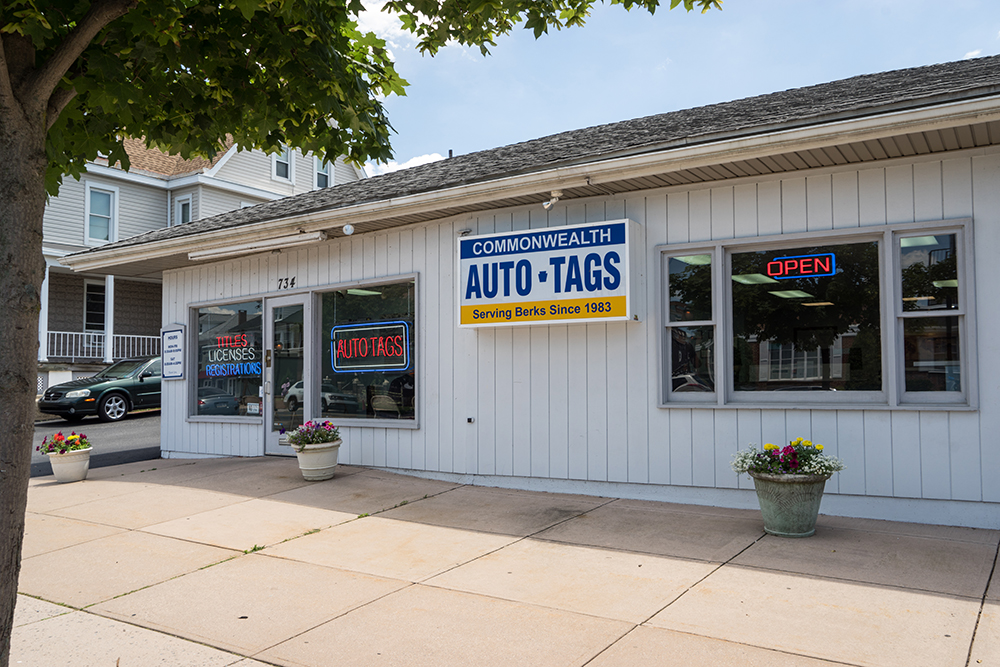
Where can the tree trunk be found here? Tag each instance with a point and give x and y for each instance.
(22, 204)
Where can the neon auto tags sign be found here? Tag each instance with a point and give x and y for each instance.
(576, 273)
(802, 266)
(377, 346)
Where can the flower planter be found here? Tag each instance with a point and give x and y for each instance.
(317, 462)
(71, 466)
(789, 503)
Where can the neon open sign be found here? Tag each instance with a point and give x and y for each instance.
(802, 266)
(379, 346)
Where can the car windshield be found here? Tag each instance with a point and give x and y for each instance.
(122, 369)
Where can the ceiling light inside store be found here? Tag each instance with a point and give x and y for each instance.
(792, 294)
(916, 241)
(918, 298)
(753, 279)
(819, 303)
(363, 292)
(695, 260)
(944, 283)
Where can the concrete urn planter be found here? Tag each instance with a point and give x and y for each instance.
(317, 462)
(71, 466)
(789, 503)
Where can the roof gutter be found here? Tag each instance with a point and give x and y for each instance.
(560, 178)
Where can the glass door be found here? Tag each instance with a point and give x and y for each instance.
(288, 399)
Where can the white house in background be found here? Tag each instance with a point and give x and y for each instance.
(89, 321)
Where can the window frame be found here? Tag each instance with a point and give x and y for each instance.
(87, 283)
(665, 325)
(966, 300)
(285, 156)
(892, 394)
(318, 168)
(192, 359)
(178, 205)
(316, 294)
(112, 222)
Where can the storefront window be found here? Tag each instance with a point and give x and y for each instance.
(369, 348)
(809, 324)
(931, 306)
(807, 319)
(691, 332)
(230, 355)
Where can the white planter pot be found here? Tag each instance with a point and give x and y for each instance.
(318, 461)
(71, 466)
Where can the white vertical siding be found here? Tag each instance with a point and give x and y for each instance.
(579, 402)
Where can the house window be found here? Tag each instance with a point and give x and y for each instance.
(230, 360)
(810, 319)
(322, 173)
(93, 306)
(283, 165)
(368, 365)
(101, 221)
(182, 210)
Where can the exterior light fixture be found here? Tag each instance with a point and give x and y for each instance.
(275, 243)
(556, 194)
(348, 229)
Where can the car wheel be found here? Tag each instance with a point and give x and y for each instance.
(323, 401)
(112, 408)
(292, 404)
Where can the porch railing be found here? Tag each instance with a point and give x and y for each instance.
(77, 346)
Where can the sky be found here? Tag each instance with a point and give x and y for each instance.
(624, 65)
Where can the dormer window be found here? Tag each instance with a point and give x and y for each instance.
(182, 210)
(322, 174)
(283, 166)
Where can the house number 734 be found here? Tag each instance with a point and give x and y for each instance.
(286, 283)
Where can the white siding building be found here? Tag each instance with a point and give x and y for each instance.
(812, 263)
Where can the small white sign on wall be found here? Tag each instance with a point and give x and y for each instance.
(172, 352)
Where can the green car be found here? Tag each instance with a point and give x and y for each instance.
(111, 394)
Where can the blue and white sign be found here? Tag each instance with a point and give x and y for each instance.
(576, 273)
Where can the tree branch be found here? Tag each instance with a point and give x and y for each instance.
(6, 89)
(60, 98)
(101, 13)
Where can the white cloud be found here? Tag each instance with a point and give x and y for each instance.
(373, 169)
(972, 54)
(385, 25)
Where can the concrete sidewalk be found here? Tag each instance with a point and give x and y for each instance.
(241, 562)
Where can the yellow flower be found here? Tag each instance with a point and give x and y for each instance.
(770, 446)
(807, 443)
(797, 441)
(819, 447)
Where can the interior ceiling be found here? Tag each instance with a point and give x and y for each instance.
(903, 145)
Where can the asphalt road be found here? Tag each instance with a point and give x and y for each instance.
(135, 438)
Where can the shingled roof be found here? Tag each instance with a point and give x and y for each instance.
(852, 98)
(157, 163)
